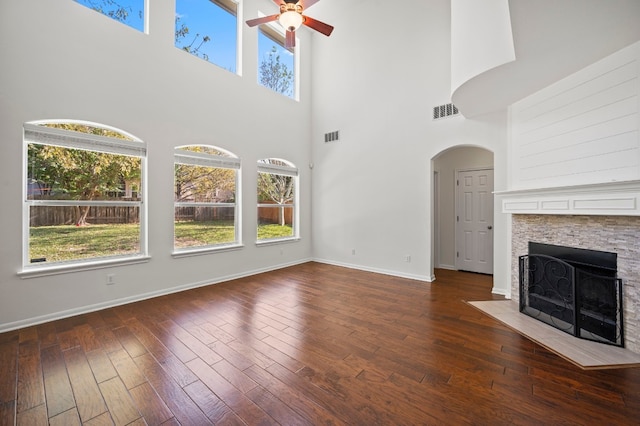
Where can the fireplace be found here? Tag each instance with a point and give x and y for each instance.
(602, 216)
(616, 234)
(573, 289)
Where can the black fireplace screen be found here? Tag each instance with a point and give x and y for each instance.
(572, 299)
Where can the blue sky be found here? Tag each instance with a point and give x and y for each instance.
(205, 18)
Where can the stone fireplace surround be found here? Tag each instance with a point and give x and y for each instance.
(599, 217)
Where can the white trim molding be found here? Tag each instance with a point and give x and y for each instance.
(609, 199)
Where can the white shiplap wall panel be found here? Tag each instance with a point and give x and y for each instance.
(568, 96)
(562, 153)
(583, 129)
(597, 132)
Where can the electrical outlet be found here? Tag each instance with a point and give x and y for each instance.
(407, 258)
(353, 251)
(111, 279)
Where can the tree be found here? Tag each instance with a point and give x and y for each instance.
(78, 174)
(275, 75)
(276, 188)
(182, 31)
(121, 13)
(112, 9)
(204, 184)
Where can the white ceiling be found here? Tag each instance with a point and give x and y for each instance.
(553, 39)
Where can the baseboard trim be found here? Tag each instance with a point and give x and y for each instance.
(501, 292)
(376, 270)
(447, 267)
(123, 301)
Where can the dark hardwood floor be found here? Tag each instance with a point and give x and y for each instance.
(311, 344)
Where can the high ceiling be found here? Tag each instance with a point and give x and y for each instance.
(553, 39)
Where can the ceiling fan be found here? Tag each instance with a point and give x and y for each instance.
(291, 17)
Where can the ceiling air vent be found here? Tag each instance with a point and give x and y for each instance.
(442, 111)
(332, 136)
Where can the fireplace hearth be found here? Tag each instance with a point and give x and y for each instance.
(574, 290)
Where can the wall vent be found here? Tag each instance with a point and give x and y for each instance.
(442, 111)
(332, 136)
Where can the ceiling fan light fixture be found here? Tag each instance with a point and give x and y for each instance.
(290, 19)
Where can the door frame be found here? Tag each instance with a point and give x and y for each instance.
(436, 219)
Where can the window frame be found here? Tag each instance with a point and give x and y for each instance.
(35, 132)
(231, 162)
(289, 170)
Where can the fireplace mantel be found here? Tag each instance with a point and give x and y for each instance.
(612, 198)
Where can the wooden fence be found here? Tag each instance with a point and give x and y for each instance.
(98, 215)
(203, 214)
(272, 215)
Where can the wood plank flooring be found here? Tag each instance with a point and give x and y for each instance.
(307, 345)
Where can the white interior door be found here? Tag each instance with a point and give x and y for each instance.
(474, 221)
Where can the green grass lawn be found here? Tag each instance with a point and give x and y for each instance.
(69, 242)
(269, 231)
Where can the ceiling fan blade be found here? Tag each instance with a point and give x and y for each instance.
(290, 40)
(262, 20)
(306, 4)
(278, 2)
(319, 26)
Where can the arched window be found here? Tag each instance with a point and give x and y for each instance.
(277, 200)
(206, 188)
(84, 191)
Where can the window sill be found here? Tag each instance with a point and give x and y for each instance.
(277, 241)
(55, 269)
(207, 250)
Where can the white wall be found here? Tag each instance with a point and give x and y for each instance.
(62, 60)
(447, 164)
(377, 85)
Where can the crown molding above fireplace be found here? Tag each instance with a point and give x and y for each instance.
(612, 198)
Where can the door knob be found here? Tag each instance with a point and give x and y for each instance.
(489, 227)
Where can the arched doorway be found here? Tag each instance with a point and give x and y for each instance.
(453, 246)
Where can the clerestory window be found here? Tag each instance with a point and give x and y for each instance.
(206, 188)
(277, 200)
(128, 12)
(84, 191)
(276, 64)
(208, 29)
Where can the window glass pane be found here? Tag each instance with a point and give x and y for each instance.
(205, 197)
(275, 63)
(205, 150)
(208, 29)
(201, 184)
(275, 222)
(129, 12)
(54, 237)
(204, 226)
(57, 173)
(276, 199)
